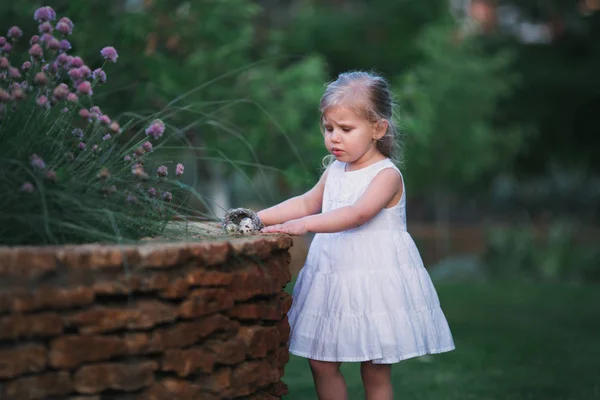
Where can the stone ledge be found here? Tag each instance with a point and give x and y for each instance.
(35, 262)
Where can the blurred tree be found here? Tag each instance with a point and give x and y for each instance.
(360, 34)
(448, 103)
(557, 54)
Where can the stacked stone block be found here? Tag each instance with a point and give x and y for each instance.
(195, 320)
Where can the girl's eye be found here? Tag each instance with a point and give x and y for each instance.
(346, 129)
(329, 128)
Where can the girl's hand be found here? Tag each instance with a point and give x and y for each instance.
(293, 227)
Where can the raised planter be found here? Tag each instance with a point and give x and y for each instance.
(191, 320)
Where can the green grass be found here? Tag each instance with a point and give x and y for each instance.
(513, 342)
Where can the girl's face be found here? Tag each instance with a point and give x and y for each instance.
(349, 136)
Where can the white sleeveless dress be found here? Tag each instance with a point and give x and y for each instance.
(364, 294)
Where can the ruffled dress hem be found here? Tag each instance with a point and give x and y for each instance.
(376, 360)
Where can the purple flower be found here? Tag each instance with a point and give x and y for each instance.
(131, 199)
(156, 129)
(104, 119)
(37, 162)
(94, 115)
(139, 151)
(84, 113)
(27, 187)
(106, 137)
(167, 196)
(7, 48)
(44, 14)
(41, 79)
(61, 91)
(147, 146)
(45, 27)
(26, 66)
(104, 173)
(62, 59)
(15, 32)
(81, 146)
(2, 40)
(17, 93)
(67, 21)
(127, 159)
(64, 110)
(76, 62)
(14, 73)
(179, 170)
(95, 148)
(85, 88)
(67, 65)
(77, 132)
(95, 111)
(42, 101)
(4, 96)
(152, 192)
(85, 71)
(115, 127)
(34, 39)
(51, 176)
(53, 44)
(99, 75)
(65, 45)
(72, 98)
(162, 171)
(64, 28)
(36, 51)
(4, 63)
(109, 53)
(138, 170)
(75, 74)
(46, 38)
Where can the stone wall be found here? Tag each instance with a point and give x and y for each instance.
(194, 320)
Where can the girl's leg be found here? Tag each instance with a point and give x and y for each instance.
(377, 379)
(329, 380)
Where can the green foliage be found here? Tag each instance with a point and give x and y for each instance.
(209, 65)
(287, 132)
(362, 34)
(448, 104)
(560, 97)
(525, 253)
(64, 178)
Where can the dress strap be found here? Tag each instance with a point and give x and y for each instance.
(387, 163)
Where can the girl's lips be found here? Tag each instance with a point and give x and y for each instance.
(337, 152)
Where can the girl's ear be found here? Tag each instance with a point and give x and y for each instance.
(380, 129)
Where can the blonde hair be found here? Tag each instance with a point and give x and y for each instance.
(370, 96)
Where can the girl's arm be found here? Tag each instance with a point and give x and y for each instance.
(297, 207)
(379, 194)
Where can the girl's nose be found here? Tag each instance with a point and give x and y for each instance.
(336, 137)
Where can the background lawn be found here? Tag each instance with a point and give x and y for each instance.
(514, 341)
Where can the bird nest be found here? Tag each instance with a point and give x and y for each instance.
(241, 221)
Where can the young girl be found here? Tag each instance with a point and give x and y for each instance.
(363, 294)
